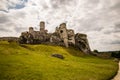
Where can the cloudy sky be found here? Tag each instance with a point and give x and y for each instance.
(99, 19)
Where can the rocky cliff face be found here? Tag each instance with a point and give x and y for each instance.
(81, 42)
(62, 36)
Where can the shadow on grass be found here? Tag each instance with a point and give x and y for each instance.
(26, 47)
(75, 52)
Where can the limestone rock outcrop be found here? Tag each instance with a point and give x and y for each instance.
(81, 42)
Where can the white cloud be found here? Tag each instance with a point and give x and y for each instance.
(99, 19)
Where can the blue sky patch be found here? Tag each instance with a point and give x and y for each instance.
(19, 5)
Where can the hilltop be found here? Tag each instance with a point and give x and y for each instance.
(34, 62)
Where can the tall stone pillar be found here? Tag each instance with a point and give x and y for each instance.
(42, 26)
(63, 33)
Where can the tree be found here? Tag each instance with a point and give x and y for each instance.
(96, 51)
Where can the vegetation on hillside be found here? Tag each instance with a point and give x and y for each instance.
(34, 62)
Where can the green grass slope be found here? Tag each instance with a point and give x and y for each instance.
(34, 62)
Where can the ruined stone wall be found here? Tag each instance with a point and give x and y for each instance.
(62, 36)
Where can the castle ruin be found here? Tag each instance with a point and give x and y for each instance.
(62, 36)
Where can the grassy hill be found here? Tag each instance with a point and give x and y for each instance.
(34, 62)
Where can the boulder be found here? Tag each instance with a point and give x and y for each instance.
(60, 56)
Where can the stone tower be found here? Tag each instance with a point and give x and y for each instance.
(63, 33)
(42, 26)
(31, 29)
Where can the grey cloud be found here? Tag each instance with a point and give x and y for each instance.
(55, 4)
(91, 3)
(10, 24)
(59, 3)
(90, 24)
(19, 29)
(45, 6)
(6, 27)
(112, 29)
(115, 42)
(116, 6)
(62, 2)
(117, 36)
(108, 39)
(1, 10)
(117, 25)
(3, 29)
(4, 18)
(94, 1)
(20, 14)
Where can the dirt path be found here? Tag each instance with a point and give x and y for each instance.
(117, 77)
